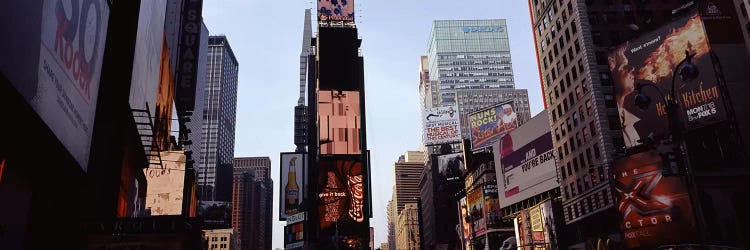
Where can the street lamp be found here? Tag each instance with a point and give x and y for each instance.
(687, 72)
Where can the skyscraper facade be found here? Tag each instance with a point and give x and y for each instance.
(408, 172)
(300, 111)
(260, 165)
(219, 115)
(572, 41)
(468, 58)
(407, 232)
(252, 203)
(195, 124)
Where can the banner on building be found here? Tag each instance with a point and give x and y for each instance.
(655, 209)
(451, 167)
(292, 185)
(166, 185)
(188, 49)
(475, 203)
(73, 35)
(341, 201)
(492, 211)
(339, 115)
(535, 227)
(527, 162)
(294, 231)
(464, 222)
(335, 10)
(492, 124)
(651, 59)
(441, 125)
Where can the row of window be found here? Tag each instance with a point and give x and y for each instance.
(587, 205)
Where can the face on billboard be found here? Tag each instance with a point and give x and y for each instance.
(451, 167)
(651, 59)
(655, 209)
(292, 184)
(442, 125)
(464, 219)
(339, 117)
(336, 10)
(490, 125)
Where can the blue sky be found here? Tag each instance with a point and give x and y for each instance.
(267, 37)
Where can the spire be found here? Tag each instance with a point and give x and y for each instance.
(306, 40)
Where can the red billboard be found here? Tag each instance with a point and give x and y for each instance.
(341, 200)
(651, 59)
(655, 209)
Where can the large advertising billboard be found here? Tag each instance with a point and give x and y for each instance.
(441, 125)
(335, 10)
(294, 231)
(655, 209)
(492, 124)
(341, 196)
(535, 227)
(73, 35)
(475, 203)
(166, 185)
(492, 211)
(339, 121)
(651, 59)
(527, 162)
(451, 167)
(464, 222)
(293, 173)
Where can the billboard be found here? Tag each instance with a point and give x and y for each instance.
(166, 185)
(339, 121)
(341, 196)
(475, 204)
(215, 214)
(464, 223)
(655, 209)
(71, 48)
(441, 125)
(294, 231)
(292, 186)
(491, 124)
(335, 10)
(451, 167)
(651, 59)
(527, 161)
(535, 227)
(493, 213)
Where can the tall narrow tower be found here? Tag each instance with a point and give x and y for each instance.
(300, 111)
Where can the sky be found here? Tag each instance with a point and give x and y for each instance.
(266, 37)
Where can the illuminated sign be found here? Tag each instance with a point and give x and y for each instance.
(474, 29)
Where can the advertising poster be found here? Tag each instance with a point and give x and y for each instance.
(655, 209)
(451, 167)
(292, 184)
(294, 232)
(339, 117)
(527, 164)
(166, 185)
(475, 205)
(491, 124)
(493, 213)
(215, 214)
(70, 64)
(441, 125)
(465, 223)
(651, 59)
(341, 201)
(335, 10)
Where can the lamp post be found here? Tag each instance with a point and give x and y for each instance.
(687, 71)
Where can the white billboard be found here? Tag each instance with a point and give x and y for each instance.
(527, 162)
(73, 34)
(441, 125)
(292, 184)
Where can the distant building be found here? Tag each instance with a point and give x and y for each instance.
(252, 204)
(468, 63)
(219, 116)
(217, 239)
(261, 166)
(408, 171)
(392, 220)
(407, 232)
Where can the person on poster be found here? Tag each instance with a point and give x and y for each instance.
(507, 121)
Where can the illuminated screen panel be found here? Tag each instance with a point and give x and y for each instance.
(339, 119)
(341, 199)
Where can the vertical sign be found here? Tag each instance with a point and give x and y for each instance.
(187, 64)
(70, 64)
(341, 200)
(476, 211)
(292, 185)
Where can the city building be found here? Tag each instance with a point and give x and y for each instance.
(408, 171)
(392, 220)
(300, 111)
(252, 204)
(219, 117)
(384, 246)
(407, 229)
(427, 198)
(217, 239)
(261, 166)
(193, 142)
(572, 40)
(467, 62)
